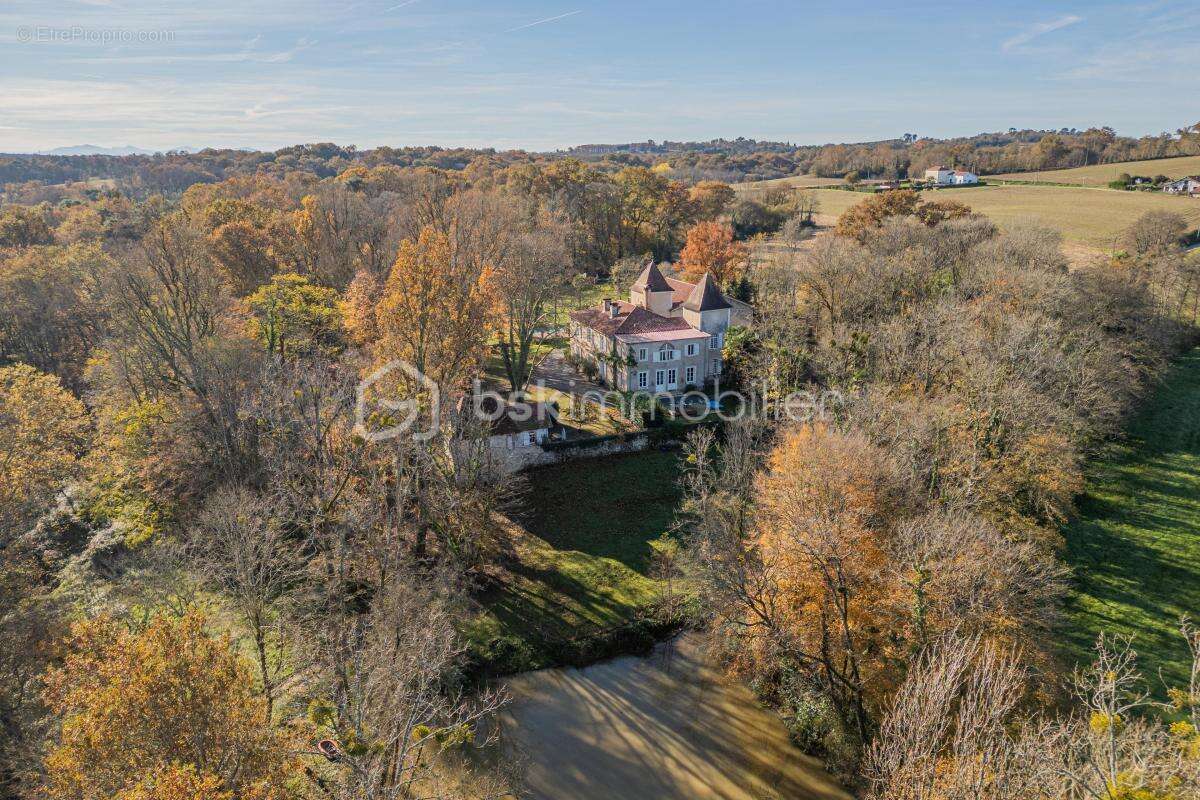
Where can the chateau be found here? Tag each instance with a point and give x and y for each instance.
(667, 338)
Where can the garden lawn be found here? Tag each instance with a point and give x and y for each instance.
(1135, 546)
(582, 557)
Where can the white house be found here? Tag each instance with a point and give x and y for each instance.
(939, 175)
(1189, 185)
(944, 176)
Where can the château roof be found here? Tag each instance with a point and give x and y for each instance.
(652, 280)
(706, 296)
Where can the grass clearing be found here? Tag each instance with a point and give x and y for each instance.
(1102, 174)
(583, 546)
(1091, 217)
(790, 182)
(1135, 547)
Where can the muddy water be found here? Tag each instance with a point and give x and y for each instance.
(666, 727)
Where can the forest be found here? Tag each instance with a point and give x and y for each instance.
(725, 160)
(214, 587)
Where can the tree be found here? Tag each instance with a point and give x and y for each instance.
(523, 287)
(434, 311)
(139, 706)
(384, 696)
(293, 317)
(860, 221)
(711, 198)
(43, 432)
(244, 253)
(711, 249)
(239, 546)
(55, 311)
(938, 211)
(23, 227)
(1155, 233)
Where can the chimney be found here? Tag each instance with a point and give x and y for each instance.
(611, 307)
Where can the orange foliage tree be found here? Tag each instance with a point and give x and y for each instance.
(823, 529)
(167, 712)
(435, 310)
(710, 248)
(859, 221)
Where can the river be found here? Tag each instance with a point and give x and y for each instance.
(668, 726)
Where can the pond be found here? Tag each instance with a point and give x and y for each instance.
(668, 726)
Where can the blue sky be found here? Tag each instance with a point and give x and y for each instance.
(542, 74)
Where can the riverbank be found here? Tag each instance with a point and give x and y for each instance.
(1135, 546)
(668, 726)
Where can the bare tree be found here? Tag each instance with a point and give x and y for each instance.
(239, 545)
(390, 698)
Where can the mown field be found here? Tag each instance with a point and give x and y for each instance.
(791, 182)
(1091, 217)
(1135, 547)
(583, 562)
(1101, 174)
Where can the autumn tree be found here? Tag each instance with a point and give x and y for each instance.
(55, 309)
(43, 432)
(523, 286)
(292, 316)
(434, 310)
(934, 212)
(138, 706)
(859, 221)
(710, 248)
(21, 226)
(711, 198)
(174, 336)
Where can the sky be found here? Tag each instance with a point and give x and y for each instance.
(546, 74)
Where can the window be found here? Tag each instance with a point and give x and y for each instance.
(691, 348)
(716, 366)
(659, 378)
(714, 342)
(672, 376)
(689, 375)
(665, 353)
(642, 354)
(642, 380)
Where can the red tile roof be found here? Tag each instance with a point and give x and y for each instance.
(630, 319)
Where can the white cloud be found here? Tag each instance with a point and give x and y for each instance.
(1039, 29)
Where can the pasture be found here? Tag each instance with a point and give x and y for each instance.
(1101, 174)
(1093, 218)
(1134, 548)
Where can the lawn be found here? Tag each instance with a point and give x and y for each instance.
(1091, 217)
(1135, 547)
(582, 566)
(1101, 174)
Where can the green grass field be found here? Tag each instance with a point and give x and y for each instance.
(1091, 217)
(1135, 547)
(583, 544)
(1101, 174)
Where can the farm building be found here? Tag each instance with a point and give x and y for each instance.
(945, 176)
(1189, 185)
